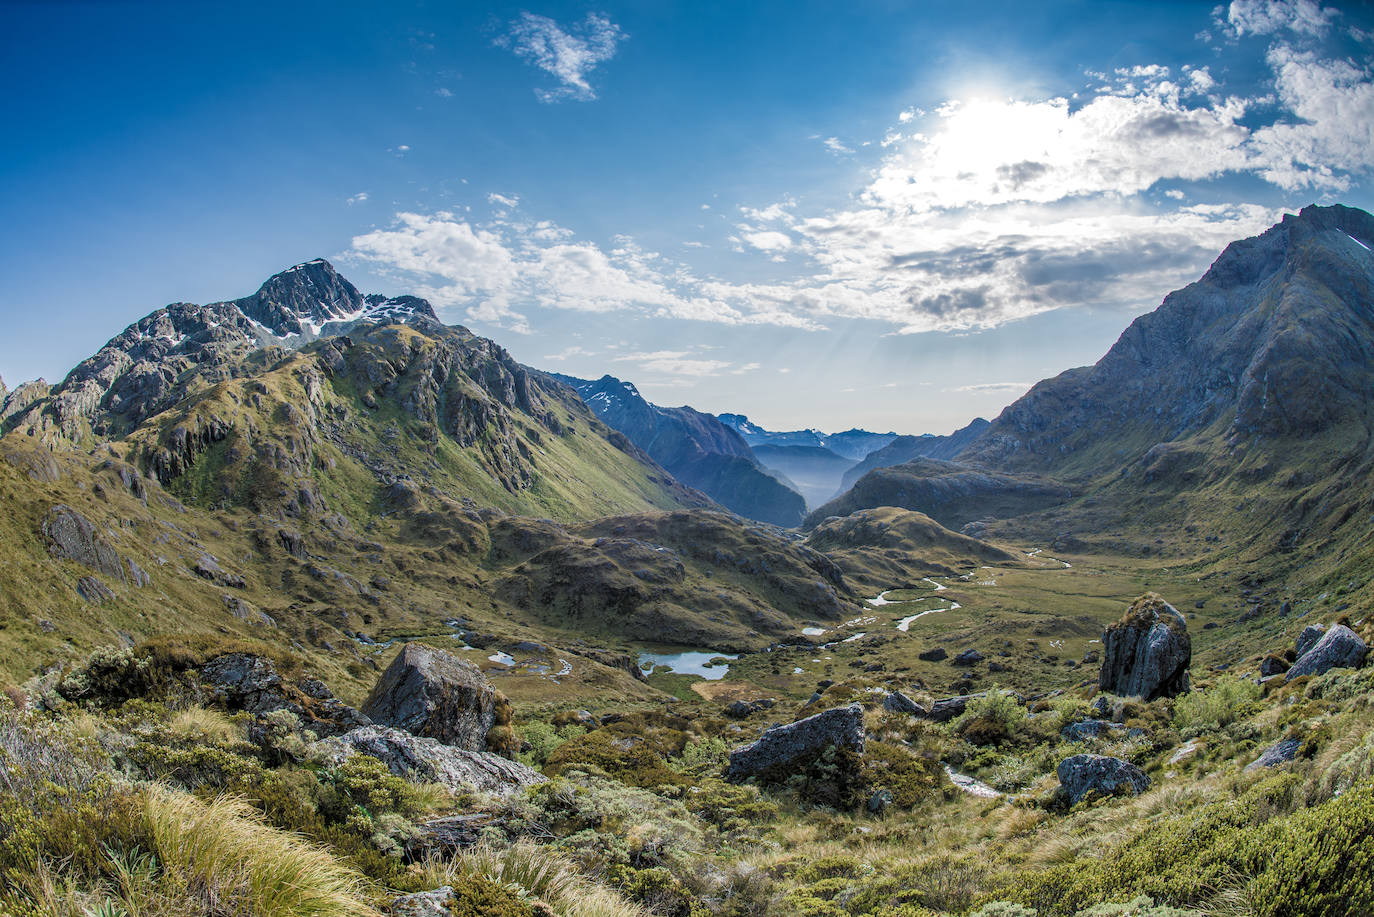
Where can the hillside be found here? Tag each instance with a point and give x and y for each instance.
(953, 495)
(697, 448)
(364, 480)
(909, 448)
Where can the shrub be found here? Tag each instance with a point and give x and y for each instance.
(990, 719)
(540, 739)
(628, 758)
(1229, 699)
(910, 779)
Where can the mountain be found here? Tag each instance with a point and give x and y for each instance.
(907, 448)
(814, 470)
(1274, 341)
(697, 448)
(1236, 413)
(147, 367)
(852, 444)
(950, 493)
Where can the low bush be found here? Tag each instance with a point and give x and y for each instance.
(1229, 699)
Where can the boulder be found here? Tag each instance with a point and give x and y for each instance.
(424, 904)
(897, 702)
(968, 657)
(423, 758)
(1080, 775)
(1276, 754)
(1146, 654)
(1339, 648)
(948, 708)
(1272, 665)
(938, 654)
(429, 692)
(1087, 729)
(1308, 638)
(783, 748)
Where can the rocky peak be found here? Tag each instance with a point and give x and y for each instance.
(149, 366)
(303, 297)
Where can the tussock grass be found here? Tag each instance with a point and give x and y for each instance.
(223, 849)
(538, 872)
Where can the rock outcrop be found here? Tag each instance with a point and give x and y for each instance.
(1339, 648)
(423, 758)
(428, 692)
(1080, 775)
(784, 748)
(1308, 638)
(1146, 654)
(242, 681)
(1276, 754)
(71, 536)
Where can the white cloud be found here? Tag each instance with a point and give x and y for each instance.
(768, 240)
(357, 198)
(569, 352)
(1331, 131)
(997, 388)
(496, 270)
(569, 55)
(675, 363)
(505, 200)
(835, 145)
(444, 92)
(1266, 17)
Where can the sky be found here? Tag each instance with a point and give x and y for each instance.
(888, 215)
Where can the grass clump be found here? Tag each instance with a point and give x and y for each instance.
(223, 850)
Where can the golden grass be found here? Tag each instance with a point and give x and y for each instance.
(223, 848)
(539, 872)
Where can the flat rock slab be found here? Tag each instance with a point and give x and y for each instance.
(1276, 754)
(422, 758)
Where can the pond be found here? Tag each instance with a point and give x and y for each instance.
(688, 662)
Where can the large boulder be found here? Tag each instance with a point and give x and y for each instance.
(423, 758)
(1339, 648)
(428, 692)
(1146, 654)
(1080, 775)
(1308, 638)
(897, 702)
(793, 746)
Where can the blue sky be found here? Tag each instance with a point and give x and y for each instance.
(890, 215)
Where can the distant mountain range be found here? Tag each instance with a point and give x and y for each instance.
(697, 448)
(851, 444)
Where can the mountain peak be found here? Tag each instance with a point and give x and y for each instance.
(302, 298)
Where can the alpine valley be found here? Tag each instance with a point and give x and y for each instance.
(311, 604)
